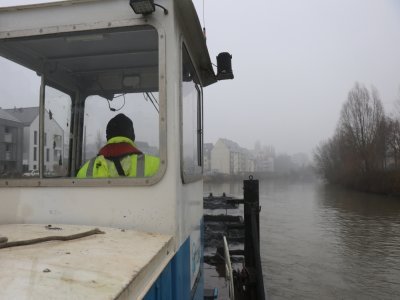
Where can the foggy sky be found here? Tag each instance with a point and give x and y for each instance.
(294, 63)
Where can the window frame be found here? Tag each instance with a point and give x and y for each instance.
(77, 116)
(35, 137)
(189, 178)
(35, 153)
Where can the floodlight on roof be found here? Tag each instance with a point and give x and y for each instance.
(145, 7)
(224, 66)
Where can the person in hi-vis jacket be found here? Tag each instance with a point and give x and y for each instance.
(120, 157)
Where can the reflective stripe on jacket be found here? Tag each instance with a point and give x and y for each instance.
(133, 165)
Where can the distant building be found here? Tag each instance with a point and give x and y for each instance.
(11, 138)
(249, 162)
(265, 164)
(53, 139)
(207, 148)
(264, 158)
(300, 160)
(227, 157)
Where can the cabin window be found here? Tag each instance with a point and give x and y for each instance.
(141, 108)
(19, 112)
(192, 119)
(54, 123)
(131, 88)
(57, 126)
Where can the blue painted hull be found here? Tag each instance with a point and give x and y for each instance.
(174, 282)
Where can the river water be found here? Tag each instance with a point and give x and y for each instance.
(324, 242)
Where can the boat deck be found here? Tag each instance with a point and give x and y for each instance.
(100, 266)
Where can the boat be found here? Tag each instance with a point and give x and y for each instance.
(79, 63)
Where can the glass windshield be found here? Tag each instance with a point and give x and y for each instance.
(141, 108)
(19, 121)
(192, 130)
(90, 77)
(56, 138)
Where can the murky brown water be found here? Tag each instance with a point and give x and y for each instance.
(321, 242)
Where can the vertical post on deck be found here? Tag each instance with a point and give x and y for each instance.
(251, 200)
(252, 238)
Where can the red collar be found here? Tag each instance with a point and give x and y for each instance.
(118, 150)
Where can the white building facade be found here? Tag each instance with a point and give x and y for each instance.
(228, 158)
(53, 139)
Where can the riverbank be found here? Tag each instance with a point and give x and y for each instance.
(377, 182)
(308, 174)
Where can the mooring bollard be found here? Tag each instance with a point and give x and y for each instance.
(251, 202)
(252, 236)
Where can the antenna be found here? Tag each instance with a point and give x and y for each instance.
(204, 23)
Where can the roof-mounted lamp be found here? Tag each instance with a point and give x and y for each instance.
(224, 66)
(145, 7)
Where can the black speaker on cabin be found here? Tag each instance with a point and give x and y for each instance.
(224, 66)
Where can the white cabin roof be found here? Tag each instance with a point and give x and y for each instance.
(43, 30)
(101, 266)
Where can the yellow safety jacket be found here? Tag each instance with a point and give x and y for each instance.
(133, 165)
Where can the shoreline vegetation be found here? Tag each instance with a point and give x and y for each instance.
(364, 152)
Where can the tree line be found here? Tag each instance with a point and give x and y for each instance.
(364, 152)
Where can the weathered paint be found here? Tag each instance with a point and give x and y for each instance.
(167, 207)
(175, 282)
(103, 266)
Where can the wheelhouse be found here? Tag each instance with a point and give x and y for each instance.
(68, 67)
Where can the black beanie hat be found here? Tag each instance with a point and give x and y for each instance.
(120, 125)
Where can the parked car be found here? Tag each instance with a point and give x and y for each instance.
(50, 174)
(31, 173)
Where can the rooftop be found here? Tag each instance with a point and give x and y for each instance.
(7, 116)
(25, 115)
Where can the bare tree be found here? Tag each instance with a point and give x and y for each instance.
(364, 153)
(393, 141)
(397, 105)
(325, 160)
(361, 122)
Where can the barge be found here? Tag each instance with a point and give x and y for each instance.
(67, 68)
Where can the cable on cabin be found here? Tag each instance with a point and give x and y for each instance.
(115, 109)
(154, 99)
(204, 22)
(147, 96)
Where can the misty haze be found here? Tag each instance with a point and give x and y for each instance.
(313, 113)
